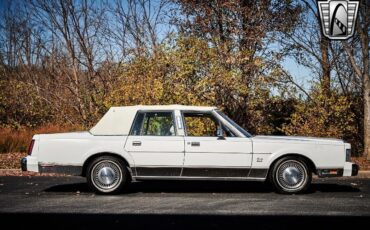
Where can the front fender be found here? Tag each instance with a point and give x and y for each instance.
(265, 160)
(290, 151)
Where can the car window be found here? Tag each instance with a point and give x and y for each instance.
(200, 125)
(154, 124)
(204, 124)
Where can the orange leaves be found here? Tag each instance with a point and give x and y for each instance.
(323, 117)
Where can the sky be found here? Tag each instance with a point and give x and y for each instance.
(300, 73)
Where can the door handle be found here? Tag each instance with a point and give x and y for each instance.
(136, 143)
(196, 144)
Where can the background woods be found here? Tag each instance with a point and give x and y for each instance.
(64, 63)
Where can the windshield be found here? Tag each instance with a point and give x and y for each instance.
(238, 127)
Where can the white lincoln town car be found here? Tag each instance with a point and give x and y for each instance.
(176, 142)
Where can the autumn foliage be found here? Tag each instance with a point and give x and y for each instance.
(63, 64)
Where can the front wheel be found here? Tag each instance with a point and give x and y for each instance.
(107, 175)
(291, 175)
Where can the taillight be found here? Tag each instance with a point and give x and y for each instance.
(30, 147)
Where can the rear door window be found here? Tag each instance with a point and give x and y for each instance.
(154, 124)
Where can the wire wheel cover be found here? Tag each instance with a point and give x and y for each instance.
(291, 175)
(106, 175)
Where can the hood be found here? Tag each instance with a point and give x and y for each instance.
(316, 140)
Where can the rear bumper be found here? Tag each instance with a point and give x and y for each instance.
(24, 164)
(30, 164)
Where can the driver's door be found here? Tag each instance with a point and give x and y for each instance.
(211, 150)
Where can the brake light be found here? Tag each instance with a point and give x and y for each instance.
(30, 147)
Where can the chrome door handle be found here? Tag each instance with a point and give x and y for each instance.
(136, 143)
(196, 144)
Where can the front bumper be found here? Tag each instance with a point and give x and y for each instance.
(352, 170)
(349, 169)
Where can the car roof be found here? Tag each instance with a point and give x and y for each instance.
(118, 120)
(167, 107)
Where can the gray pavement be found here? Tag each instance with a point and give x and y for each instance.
(37, 197)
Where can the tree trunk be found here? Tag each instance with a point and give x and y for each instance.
(367, 116)
(366, 81)
(362, 28)
(325, 65)
(364, 37)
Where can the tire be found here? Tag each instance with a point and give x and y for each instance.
(107, 175)
(291, 175)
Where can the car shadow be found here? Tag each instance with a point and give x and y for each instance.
(67, 188)
(332, 188)
(202, 187)
(175, 187)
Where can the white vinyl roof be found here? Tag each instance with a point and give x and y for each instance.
(118, 120)
(167, 107)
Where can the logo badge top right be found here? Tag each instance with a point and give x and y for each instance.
(338, 18)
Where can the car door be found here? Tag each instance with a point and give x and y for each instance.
(156, 149)
(212, 150)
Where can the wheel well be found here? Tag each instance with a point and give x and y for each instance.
(309, 162)
(91, 158)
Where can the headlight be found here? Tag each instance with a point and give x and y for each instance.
(348, 155)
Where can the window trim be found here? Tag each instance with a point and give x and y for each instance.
(153, 111)
(220, 123)
(247, 135)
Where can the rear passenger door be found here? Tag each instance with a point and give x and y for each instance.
(153, 143)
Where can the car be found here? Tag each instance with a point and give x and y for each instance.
(177, 142)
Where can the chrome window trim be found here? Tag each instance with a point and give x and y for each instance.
(222, 119)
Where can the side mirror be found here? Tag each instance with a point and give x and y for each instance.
(220, 134)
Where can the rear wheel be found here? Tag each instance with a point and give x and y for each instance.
(291, 175)
(107, 175)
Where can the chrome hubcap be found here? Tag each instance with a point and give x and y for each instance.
(106, 175)
(291, 175)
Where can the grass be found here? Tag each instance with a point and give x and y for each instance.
(11, 160)
(12, 141)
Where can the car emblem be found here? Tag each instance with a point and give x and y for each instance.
(338, 18)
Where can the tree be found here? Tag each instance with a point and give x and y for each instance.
(357, 51)
(138, 27)
(307, 45)
(240, 32)
(77, 27)
(339, 67)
